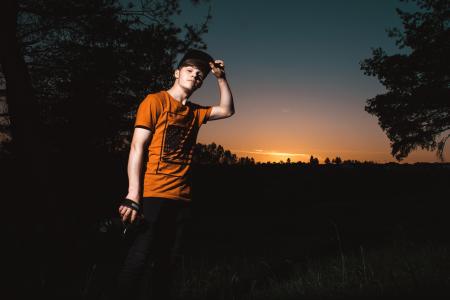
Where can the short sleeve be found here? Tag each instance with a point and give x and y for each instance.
(203, 114)
(148, 113)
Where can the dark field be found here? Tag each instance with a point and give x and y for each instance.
(257, 232)
(328, 231)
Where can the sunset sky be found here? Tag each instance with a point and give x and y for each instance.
(293, 67)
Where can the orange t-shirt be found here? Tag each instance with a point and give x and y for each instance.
(174, 128)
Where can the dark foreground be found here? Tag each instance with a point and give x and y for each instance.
(257, 232)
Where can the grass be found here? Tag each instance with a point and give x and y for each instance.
(402, 269)
(275, 233)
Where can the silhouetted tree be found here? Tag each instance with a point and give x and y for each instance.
(313, 161)
(227, 158)
(5, 134)
(213, 154)
(415, 110)
(288, 161)
(327, 161)
(220, 154)
(22, 104)
(230, 158)
(29, 190)
(92, 62)
(337, 160)
(245, 161)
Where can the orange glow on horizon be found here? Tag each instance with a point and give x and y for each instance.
(313, 126)
(276, 156)
(264, 156)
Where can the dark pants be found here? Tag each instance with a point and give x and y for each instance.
(148, 267)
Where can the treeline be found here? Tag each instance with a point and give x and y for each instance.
(338, 161)
(213, 154)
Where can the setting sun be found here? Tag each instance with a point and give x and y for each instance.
(273, 156)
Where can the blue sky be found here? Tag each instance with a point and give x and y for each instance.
(293, 67)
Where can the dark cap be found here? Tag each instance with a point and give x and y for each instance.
(198, 59)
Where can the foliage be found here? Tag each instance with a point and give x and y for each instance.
(415, 110)
(336, 160)
(93, 61)
(313, 160)
(213, 154)
(5, 134)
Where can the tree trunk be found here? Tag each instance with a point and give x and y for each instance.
(26, 184)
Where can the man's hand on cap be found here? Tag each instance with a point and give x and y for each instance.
(218, 68)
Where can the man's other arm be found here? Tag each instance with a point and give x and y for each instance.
(141, 138)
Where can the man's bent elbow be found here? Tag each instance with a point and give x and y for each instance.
(230, 113)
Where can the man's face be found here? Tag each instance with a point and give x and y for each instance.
(190, 77)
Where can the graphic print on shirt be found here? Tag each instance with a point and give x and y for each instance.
(179, 139)
(173, 138)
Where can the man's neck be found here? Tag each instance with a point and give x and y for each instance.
(179, 94)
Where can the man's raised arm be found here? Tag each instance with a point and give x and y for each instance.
(226, 107)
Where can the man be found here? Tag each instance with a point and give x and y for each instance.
(167, 124)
